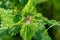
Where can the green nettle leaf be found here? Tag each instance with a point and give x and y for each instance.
(14, 30)
(3, 31)
(37, 36)
(28, 31)
(30, 6)
(7, 25)
(7, 18)
(25, 33)
(24, 19)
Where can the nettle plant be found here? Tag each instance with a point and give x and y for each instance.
(28, 23)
